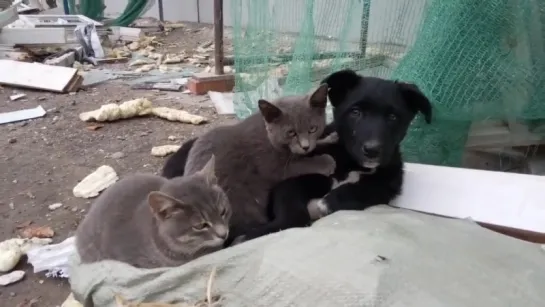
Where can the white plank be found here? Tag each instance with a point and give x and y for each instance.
(36, 75)
(28, 36)
(15, 116)
(506, 199)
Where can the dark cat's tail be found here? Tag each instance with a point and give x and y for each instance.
(175, 165)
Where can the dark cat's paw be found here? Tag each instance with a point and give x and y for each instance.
(326, 165)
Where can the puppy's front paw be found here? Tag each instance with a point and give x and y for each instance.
(317, 208)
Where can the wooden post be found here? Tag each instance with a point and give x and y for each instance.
(218, 37)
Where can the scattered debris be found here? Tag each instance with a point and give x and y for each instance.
(55, 206)
(164, 150)
(12, 140)
(41, 232)
(71, 302)
(145, 68)
(223, 102)
(178, 115)
(39, 76)
(117, 155)
(140, 107)
(112, 111)
(16, 97)
(10, 278)
(161, 86)
(15, 116)
(172, 138)
(23, 224)
(28, 303)
(54, 258)
(12, 250)
(94, 127)
(95, 182)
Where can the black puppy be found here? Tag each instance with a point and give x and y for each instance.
(371, 117)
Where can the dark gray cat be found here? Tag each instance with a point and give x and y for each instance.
(150, 221)
(264, 149)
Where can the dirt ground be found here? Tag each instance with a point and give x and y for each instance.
(43, 159)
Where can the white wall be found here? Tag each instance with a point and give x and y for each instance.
(391, 21)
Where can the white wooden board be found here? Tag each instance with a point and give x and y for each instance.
(506, 199)
(36, 75)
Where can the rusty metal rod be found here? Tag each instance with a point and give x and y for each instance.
(218, 36)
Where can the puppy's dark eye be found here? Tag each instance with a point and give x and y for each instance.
(313, 129)
(355, 113)
(392, 117)
(223, 211)
(290, 133)
(201, 226)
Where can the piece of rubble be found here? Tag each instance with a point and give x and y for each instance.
(55, 206)
(134, 46)
(17, 97)
(71, 302)
(112, 111)
(164, 150)
(139, 62)
(117, 155)
(145, 68)
(13, 277)
(96, 182)
(41, 232)
(173, 59)
(178, 115)
(171, 138)
(12, 250)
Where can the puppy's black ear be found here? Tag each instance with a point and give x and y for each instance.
(416, 100)
(340, 83)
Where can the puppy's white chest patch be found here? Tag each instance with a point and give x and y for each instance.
(353, 177)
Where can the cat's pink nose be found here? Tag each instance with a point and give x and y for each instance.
(221, 231)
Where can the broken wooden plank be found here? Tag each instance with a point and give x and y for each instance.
(161, 86)
(38, 76)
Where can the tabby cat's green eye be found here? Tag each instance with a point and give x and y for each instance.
(201, 226)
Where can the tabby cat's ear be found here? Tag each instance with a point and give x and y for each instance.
(318, 99)
(209, 171)
(269, 111)
(162, 206)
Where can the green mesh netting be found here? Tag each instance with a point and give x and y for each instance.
(477, 60)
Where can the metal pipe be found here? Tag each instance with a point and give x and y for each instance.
(198, 11)
(161, 12)
(218, 37)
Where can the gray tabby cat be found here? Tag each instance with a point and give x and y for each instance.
(264, 149)
(149, 221)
